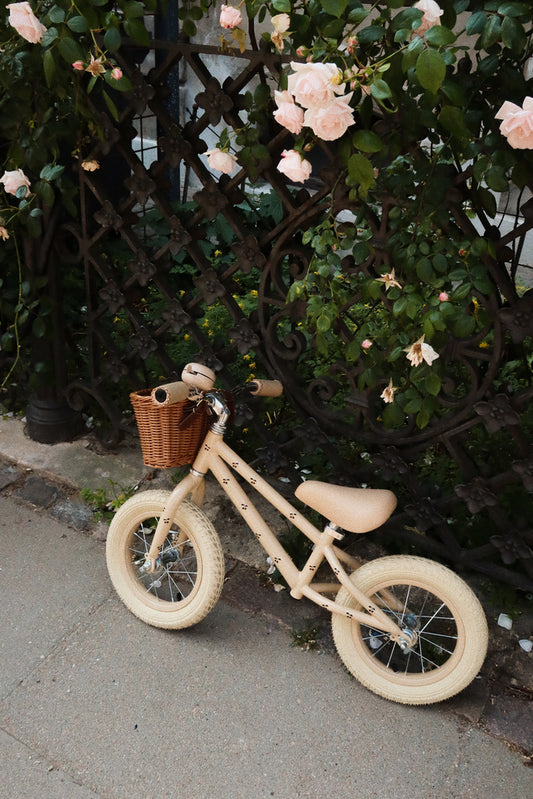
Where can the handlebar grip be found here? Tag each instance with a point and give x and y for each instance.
(170, 393)
(266, 388)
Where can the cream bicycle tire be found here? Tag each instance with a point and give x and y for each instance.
(184, 590)
(358, 645)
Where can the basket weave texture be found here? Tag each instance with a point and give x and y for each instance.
(170, 435)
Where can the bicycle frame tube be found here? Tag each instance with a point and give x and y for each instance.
(216, 456)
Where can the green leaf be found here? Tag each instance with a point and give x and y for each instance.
(110, 105)
(440, 36)
(335, 8)
(70, 50)
(39, 327)
(392, 415)
(367, 141)
(360, 252)
(453, 121)
(424, 270)
(430, 70)
(514, 9)
(399, 306)
(476, 23)
(49, 37)
(137, 30)
(432, 384)
(51, 171)
(491, 32)
(112, 39)
(422, 420)
(360, 170)
(406, 18)
(49, 66)
(513, 35)
(56, 15)
(283, 6)
(374, 33)
(413, 405)
(380, 89)
(45, 193)
(496, 180)
(464, 326)
(133, 9)
(78, 24)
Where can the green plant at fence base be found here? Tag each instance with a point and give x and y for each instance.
(106, 501)
(306, 637)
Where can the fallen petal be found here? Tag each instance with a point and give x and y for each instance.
(505, 621)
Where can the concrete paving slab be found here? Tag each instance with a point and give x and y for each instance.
(25, 775)
(225, 710)
(50, 578)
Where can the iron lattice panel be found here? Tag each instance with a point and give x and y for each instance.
(152, 284)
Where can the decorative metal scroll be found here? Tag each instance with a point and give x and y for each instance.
(183, 264)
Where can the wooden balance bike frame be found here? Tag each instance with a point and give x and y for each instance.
(217, 457)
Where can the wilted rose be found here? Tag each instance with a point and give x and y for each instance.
(281, 22)
(4, 235)
(432, 12)
(517, 123)
(331, 121)
(22, 18)
(14, 180)
(90, 165)
(314, 84)
(221, 161)
(420, 351)
(294, 166)
(288, 114)
(230, 17)
(95, 67)
(387, 395)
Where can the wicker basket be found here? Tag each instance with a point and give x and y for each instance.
(170, 435)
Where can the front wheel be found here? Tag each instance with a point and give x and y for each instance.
(189, 575)
(439, 613)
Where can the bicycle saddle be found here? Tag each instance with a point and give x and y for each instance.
(356, 510)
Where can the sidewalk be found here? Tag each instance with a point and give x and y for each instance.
(79, 673)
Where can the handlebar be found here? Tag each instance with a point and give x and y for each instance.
(198, 379)
(266, 388)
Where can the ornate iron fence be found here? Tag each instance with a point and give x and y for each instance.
(181, 264)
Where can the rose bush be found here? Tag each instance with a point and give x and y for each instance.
(58, 69)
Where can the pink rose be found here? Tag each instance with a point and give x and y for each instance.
(78, 65)
(314, 84)
(432, 12)
(288, 114)
(294, 166)
(443, 297)
(332, 121)
(221, 161)
(14, 180)
(517, 124)
(22, 18)
(230, 17)
(366, 344)
(116, 73)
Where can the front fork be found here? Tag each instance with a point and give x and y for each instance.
(193, 484)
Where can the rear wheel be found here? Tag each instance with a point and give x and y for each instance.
(438, 612)
(189, 575)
